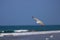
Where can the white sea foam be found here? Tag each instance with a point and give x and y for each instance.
(30, 33)
(21, 30)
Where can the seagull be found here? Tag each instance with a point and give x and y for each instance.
(38, 21)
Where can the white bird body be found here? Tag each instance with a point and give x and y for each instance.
(38, 21)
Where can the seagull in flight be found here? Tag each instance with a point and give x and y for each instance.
(38, 21)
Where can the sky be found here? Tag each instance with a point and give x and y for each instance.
(20, 12)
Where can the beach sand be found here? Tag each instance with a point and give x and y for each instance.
(48, 36)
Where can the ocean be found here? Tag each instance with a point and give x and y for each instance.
(48, 33)
(30, 27)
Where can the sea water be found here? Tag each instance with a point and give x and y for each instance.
(30, 27)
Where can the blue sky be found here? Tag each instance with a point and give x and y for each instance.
(20, 12)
